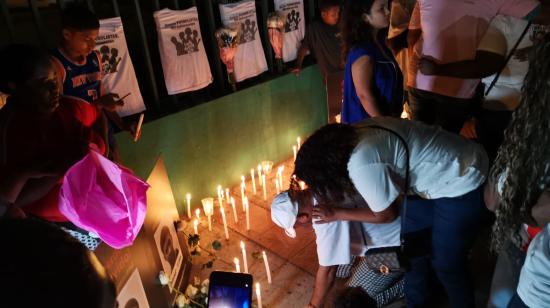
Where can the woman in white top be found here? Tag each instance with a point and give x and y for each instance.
(446, 172)
(522, 173)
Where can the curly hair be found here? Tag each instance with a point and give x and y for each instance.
(322, 162)
(524, 157)
(354, 29)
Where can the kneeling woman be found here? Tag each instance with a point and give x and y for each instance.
(446, 172)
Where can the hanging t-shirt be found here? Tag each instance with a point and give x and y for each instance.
(118, 73)
(184, 61)
(250, 58)
(295, 27)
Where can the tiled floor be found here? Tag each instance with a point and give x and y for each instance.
(293, 262)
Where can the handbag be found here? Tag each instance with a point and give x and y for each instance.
(391, 260)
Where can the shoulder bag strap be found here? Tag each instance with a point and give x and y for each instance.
(510, 54)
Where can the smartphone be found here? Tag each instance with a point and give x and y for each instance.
(230, 290)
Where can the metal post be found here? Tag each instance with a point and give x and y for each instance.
(176, 5)
(264, 35)
(38, 22)
(90, 5)
(214, 45)
(7, 19)
(61, 4)
(147, 55)
(311, 9)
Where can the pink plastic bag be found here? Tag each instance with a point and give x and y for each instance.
(100, 196)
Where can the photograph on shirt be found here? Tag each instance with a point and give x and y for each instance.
(132, 295)
(184, 62)
(117, 70)
(168, 248)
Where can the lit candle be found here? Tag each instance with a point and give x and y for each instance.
(264, 187)
(253, 180)
(259, 295)
(220, 195)
(245, 262)
(277, 186)
(188, 197)
(237, 266)
(234, 210)
(299, 142)
(196, 226)
(242, 195)
(198, 213)
(222, 210)
(243, 181)
(266, 263)
(260, 173)
(302, 185)
(295, 151)
(208, 206)
(247, 210)
(227, 195)
(280, 171)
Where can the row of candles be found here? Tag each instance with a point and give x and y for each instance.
(262, 171)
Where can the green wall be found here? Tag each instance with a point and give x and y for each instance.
(214, 143)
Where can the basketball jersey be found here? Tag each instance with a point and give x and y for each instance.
(80, 81)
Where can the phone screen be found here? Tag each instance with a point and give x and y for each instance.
(230, 290)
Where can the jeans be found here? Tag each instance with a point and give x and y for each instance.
(516, 302)
(448, 226)
(506, 276)
(333, 86)
(434, 109)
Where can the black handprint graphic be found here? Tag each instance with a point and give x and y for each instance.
(292, 21)
(190, 40)
(248, 31)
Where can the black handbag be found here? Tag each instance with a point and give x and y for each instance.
(391, 260)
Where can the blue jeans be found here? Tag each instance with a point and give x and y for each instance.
(446, 227)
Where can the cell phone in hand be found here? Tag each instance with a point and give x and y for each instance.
(125, 96)
(230, 290)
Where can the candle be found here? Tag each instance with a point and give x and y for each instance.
(234, 210)
(260, 173)
(220, 194)
(253, 180)
(258, 295)
(245, 261)
(299, 142)
(188, 197)
(295, 151)
(237, 266)
(227, 194)
(242, 195)
(302, 185)
(267, 165)
(196, 226)
(208, 207)
(243, 181)
(222, 210)
(280, 176)
(198, 213)
(264, 187)
(277, 186)
(247, 210)
(266, 263)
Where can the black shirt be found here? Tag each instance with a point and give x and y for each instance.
(325, 42)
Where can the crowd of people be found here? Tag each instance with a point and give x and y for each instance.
(472, 78)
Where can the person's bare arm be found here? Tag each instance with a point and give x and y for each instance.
(541, 211)
(327, 214)
(302, 52)
(491, 196)
(485, 64)
(324, 279)
(362, 74)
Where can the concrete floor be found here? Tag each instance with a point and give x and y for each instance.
(293, 262)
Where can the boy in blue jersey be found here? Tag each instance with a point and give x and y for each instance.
(79, 67)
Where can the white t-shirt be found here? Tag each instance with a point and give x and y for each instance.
(500, 38)
(184, 61)
(295, 27)
(442, 164)
(118, 75)
(534, 280)
(339, 240)
(250, 58)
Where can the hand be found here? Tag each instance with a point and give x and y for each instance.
(324, 214)
(296, 71)
(109, 101)
(522, 54)
(427, 66)
(469, 129)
